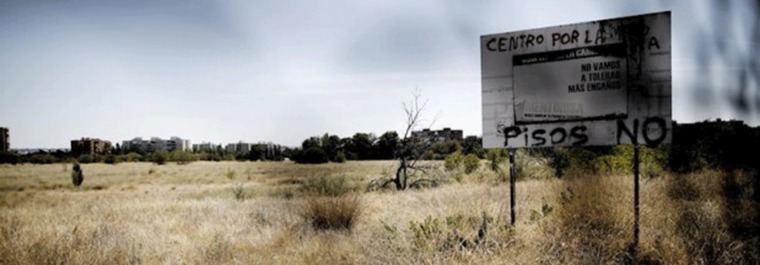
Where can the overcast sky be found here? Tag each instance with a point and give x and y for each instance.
(284, 70)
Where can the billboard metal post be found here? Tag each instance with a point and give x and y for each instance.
(512, 173)
(636, 211)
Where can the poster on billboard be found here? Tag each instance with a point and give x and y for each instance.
(603, 82)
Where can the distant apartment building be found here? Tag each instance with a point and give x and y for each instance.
(205, 147)
(238, 148)
(446, 134)
(243, 148)
(5, 144)
(90, 146)
(156, 144)
(229, 148)
(178, 144)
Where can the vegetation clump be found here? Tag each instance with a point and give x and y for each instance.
(77, 176)
(453, 161)
(471, 163)
(333, 213)
(333, 206)
(332, 186)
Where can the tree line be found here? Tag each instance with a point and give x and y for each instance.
(315, 149)
(367, 146)
(709, 144)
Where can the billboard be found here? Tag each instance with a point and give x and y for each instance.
(604, 82)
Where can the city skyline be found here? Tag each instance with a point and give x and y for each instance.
(284, 71)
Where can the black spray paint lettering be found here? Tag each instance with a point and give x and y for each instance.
(605, 32)
(538, 137)
(653, 131)
(558, 132)
(575, 136)
(653, 43)
(505, 44)
(579, 132)
(565, 38)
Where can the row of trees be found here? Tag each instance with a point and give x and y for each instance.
(277, 153)
(367, 146)
(317, 149)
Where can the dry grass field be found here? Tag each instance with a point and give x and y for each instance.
(266, 213)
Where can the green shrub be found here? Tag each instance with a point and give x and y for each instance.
(43, 159)
(453, 161)
(160, 157)
(471, 163)
(495, 158)
(340, 157)
(112, 159)
(532, 166)
(327, 186)
(182, 157)
(84, 159)
(652, 161)
(132, 157)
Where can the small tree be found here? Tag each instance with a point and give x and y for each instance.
(77, 176)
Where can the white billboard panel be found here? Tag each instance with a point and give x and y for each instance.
(605, 82)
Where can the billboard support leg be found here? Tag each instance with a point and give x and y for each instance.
(512, 173)
(636, 206)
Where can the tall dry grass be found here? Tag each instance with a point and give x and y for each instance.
(139, 213)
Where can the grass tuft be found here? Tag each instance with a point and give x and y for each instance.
(333, 213)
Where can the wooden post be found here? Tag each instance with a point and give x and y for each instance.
(512, 173)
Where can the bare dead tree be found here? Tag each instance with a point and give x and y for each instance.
(409, 151)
